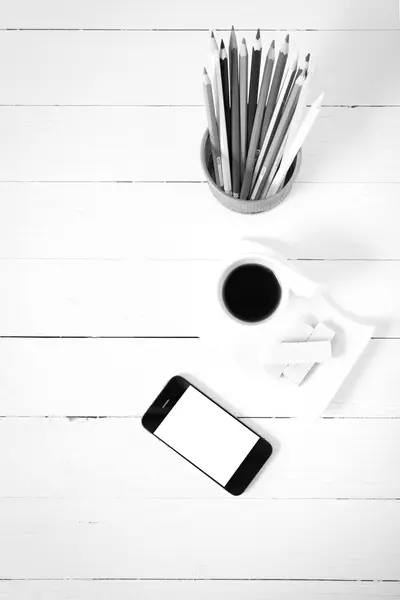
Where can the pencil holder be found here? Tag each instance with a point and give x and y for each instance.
(244, 206)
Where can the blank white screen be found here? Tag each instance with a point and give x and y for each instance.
(206, 435)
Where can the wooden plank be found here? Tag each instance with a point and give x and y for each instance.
(105, 377)
(70, 73)
(163, 297)
(200, 539)
(70, 221)
(116, 458)
(198, 590)
(104, 14)
(115, 143)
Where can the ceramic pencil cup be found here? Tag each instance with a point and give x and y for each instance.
(244, 206)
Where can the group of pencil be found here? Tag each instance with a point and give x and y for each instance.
(256, 123)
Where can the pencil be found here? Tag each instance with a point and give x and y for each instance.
(235, 114)
(276, 117)
(278, 140)
(214, 48)
(223, 60)
(299, 139)
(300, 108)
(293, 74)
(290, 153)
(223, 137)
(275, 151)
(243, 70)
(306, 65)
(255, 134)
(254, 80)
(213, 129)
(275, 86)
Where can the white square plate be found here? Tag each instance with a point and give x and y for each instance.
(242, 382)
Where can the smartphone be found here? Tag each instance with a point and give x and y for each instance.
(206, 435)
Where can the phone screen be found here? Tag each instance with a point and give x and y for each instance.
(206, 435)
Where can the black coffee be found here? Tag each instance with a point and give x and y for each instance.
(251, 292)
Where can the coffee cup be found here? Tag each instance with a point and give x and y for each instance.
(251, 299)
(251, 291)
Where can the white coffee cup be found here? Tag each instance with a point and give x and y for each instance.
(221, 327)
(270, 271)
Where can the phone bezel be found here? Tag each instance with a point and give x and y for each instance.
(250, 466)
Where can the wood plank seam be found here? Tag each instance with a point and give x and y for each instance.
(78, 29)
(242, 417)
(333, 579)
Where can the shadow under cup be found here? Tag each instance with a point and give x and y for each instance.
(251, 292)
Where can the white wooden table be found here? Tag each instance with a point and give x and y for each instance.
(106, 231)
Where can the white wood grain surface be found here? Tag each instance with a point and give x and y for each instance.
(119, 537)
(105, 221)
(108, 232)
(119, 67)
(116, 377)
(178, 14)
(97, 459)
(163, 297)
(106, 144)
(198, 590)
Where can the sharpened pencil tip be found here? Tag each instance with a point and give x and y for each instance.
(222, 44)
(214, 44)
(232, 39)
(271, 51)
(258, 35)
(308, 57)
(205, 71)
(244, 41)
(287, 39)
